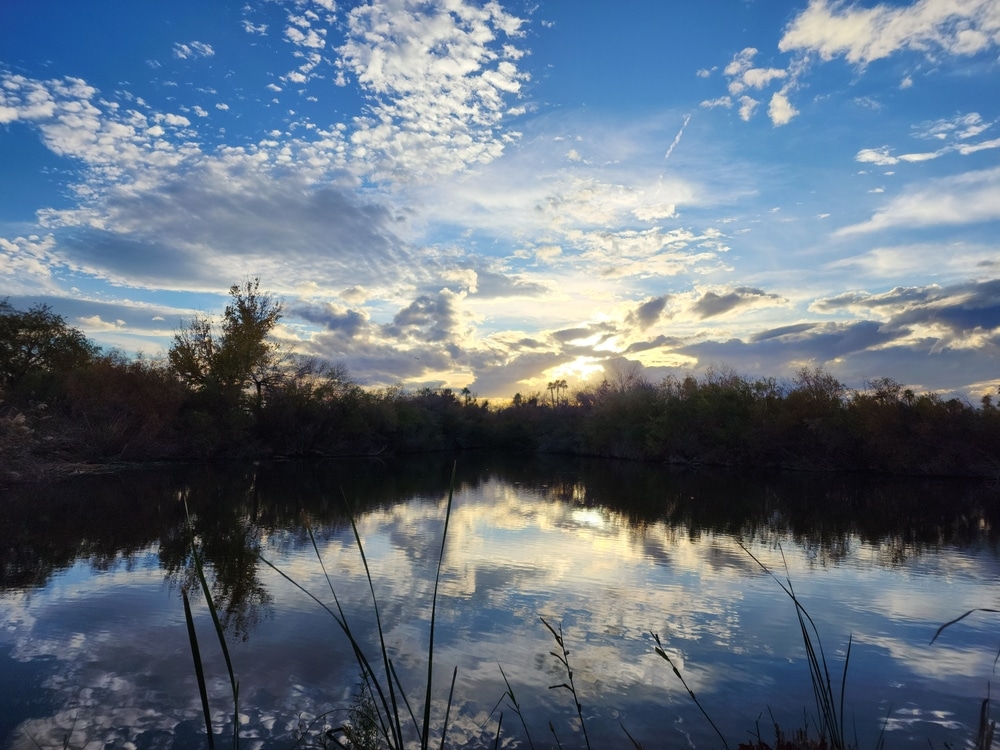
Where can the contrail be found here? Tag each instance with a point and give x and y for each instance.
(677, 138)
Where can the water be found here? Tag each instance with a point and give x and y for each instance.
(94, 650)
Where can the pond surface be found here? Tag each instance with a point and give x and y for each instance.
(94, 650)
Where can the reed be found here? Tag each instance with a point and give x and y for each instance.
(987, 726)
(829, 703)
(392, 708)
(383, 716)
(220, 633)
(563, 657)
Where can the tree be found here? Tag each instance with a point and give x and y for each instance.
(38, 340)
(241, 355)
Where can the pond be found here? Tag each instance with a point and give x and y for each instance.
(94, 648)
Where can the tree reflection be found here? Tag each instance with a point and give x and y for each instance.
(237, 510)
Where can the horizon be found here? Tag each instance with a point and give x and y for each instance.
(494, 196)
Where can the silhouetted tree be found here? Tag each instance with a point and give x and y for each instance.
(242, 355)
(38, 340)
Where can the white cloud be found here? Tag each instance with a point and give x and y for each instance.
(955, 132)
(742, 75)
(312, 38)
(192, 49)
(780, 110)
(965, 199)
(960, 126)
(722, 101)
(904, 262)
(96, 323)
(973, 148)
(439, 83)
(863, 35)
(748, 106)
(26, 264)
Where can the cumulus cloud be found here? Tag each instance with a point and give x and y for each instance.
(933, 319)
(780, 110)
(748, 105)
(829, 29)
(712, 304)
(862, 35)
(648, 312)
(429, 318)
(439, 79)
(192, 49)
(26, 264)
(743, 75)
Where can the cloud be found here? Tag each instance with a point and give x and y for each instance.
(960, 309)
(955, 132)
(192, 50)
(862, 35)
(783, 332)
(741, 62)
(439, 83)
(26, 264)
(954, 260)
(963, 199)
(778, 351)
(711, 304)
(960, 126)
(828, 29)
(258, 29)
(780, 110)
(493, 285)
(722, 101)
(648, 312)
(334, 318)
(431, 319)
(748, 105)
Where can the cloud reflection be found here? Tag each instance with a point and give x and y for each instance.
(514, 553)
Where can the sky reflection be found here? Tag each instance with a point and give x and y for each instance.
(113, 663)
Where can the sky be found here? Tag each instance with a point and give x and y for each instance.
(494, 195)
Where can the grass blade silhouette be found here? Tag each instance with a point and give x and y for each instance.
(199, 669)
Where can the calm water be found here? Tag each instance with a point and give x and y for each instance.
(94, 649)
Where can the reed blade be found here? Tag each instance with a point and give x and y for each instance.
(198, 669)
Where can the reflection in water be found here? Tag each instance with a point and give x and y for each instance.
(92, 630)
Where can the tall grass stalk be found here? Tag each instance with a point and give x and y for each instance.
(220, 633)
(987, 727)
(569, 685)
(829, 705)
(663, 655)
(391, 697)
(515, 707)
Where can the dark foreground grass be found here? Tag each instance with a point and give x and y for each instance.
(382, 715)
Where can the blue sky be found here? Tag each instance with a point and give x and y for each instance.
(495, 195)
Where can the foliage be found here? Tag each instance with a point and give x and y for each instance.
(37, 341)
(240, 356)
(227, 390)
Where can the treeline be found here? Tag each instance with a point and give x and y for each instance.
(226, 389)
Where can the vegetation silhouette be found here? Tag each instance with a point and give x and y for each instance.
(227, 390)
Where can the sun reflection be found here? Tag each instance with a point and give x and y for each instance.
(589, 517)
